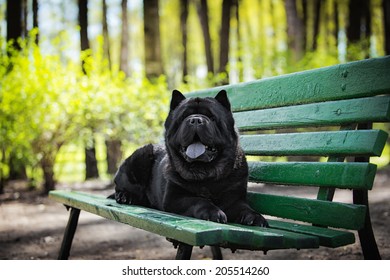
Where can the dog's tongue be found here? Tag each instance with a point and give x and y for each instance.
(195, 150)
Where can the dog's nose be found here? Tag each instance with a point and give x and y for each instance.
(195, 120)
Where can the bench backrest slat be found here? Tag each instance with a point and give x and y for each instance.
(324, 174)
(332, 143)
(355, 79)
(370, 109)
(338, 215)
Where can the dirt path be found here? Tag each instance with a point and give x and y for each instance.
(31, 227)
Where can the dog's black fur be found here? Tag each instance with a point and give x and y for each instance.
(200, 172)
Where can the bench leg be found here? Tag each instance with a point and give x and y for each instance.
(184, 252)
(216, 251)
(69, 234)
(366, 235)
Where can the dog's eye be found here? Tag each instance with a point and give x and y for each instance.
(212, 119)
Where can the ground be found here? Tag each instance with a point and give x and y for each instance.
(32, 226)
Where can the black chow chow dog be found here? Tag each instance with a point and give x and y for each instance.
(200, 172)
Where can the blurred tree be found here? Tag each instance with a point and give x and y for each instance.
(204, 22)
(35, 9)
(183, 26)
(295, 31)
(113, 155)
(386, 23)
(152, 44)
(240, 70)
(359, 29)
(14, 33)
(336, 22)
(83, 22)
(91, 169)
(224, 40)
(124, 49)
(24, 18)
(106, 37)
(113, 145)
(14, 21)
(317, 16)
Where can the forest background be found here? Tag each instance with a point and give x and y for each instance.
(84, 82)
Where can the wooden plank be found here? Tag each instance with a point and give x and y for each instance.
(329, 143)
(325, 174)
(185, 229)
(259, 239)
(316, 85)
(327, 237)
(363, 78)
(371, 109)
(291, 240)
(324, 213)
(163, 224)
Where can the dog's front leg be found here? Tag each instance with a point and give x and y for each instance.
(180, 201)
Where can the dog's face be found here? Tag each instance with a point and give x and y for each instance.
(200, 135)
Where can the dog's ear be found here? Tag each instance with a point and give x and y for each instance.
(177, 97)
(222, 98)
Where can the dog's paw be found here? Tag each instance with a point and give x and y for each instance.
(252, 218)
(214, 215)
(123, 197)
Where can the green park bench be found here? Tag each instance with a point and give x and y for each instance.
(325, 113)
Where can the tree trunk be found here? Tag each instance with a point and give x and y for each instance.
(124, 51)
(153, 60)
(336, 22)
(317, 17)
(386, 14)
(183, 26)
(47, 165)
(295, 31)
(91, 169)
(14, 32)
(35, 9)
(359, 29)
(14, 21)
(114, 155)
(24, 19)
(224, 39)
(240, 68)
(83, 21)
(106, 37)
(304, 22)
(204, 22)
(17, 168)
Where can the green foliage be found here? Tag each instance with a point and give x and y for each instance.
(47, 101)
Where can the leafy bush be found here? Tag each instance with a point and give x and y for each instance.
(47, 101)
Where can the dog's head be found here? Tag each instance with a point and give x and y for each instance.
(200, 134)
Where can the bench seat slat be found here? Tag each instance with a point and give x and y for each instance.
(327, 237)
(165, 224)
(325, 213)
(291, 239)
(185, 229)
(324, 84)
(372, 109)
(330, 143)
(324, 174)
